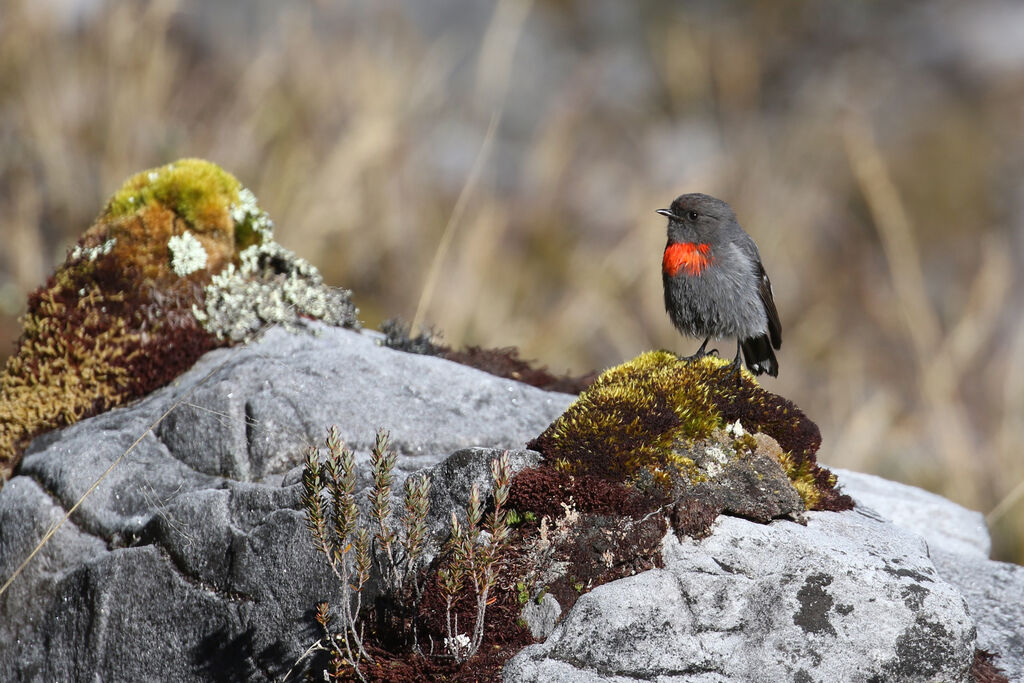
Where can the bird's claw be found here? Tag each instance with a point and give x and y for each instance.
(699, 355)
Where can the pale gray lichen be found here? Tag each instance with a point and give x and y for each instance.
(716, 459)
(187, 254)
(250, 219)
(735, 429)
(271, 286)
(92, 253)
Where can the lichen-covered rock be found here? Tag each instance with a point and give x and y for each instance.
(143, 294)
(959, 546)
(739, 477)
(846, 598)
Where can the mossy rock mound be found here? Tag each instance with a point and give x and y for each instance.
(652, 442)
(181, 260)
(664, 426)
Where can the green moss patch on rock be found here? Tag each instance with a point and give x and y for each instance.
(649, 423)
(128, 310)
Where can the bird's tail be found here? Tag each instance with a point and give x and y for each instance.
(759, 355)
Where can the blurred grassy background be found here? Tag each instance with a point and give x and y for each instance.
(873, 150)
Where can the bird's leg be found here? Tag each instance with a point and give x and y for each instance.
(700, 352)
(736, 364)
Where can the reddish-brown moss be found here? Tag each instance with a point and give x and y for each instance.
(543, 490)
(503, 362)
(693, 518)
(600, 549)
(984, 669)
(389, 638)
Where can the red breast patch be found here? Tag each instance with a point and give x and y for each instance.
(688, 257)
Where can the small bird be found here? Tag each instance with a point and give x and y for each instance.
(715, 285)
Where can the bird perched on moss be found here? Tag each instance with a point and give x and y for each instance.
(715, 284)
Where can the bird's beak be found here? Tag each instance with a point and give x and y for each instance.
(666, 212)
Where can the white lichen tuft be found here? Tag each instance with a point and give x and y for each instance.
(246, 213)
(92, 253)
(271, 286)
(735, 429)
(187, 254)
(716, 453)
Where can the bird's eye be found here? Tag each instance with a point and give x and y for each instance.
(692, 215)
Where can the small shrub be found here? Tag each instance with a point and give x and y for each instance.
(468, 567)
(475, 559)
(328, 497)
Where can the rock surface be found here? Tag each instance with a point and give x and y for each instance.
(959, 546)
(848, 597)
(191, 560)
(753, 486)
(941, 522)
(995, 595)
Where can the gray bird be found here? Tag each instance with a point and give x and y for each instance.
(715, 285)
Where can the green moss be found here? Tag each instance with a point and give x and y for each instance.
(628, 424)
(805, 478)
(636, 422)
(253, 226)
(198, 191)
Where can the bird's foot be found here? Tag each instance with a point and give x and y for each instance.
(699, 355)
(700, 352)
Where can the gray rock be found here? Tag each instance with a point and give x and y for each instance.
(995, 595)
(940, 521)
(848, 597)
(751, 485)
(454, 477)
(959, 546)
(191, 560)
(542, 615)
